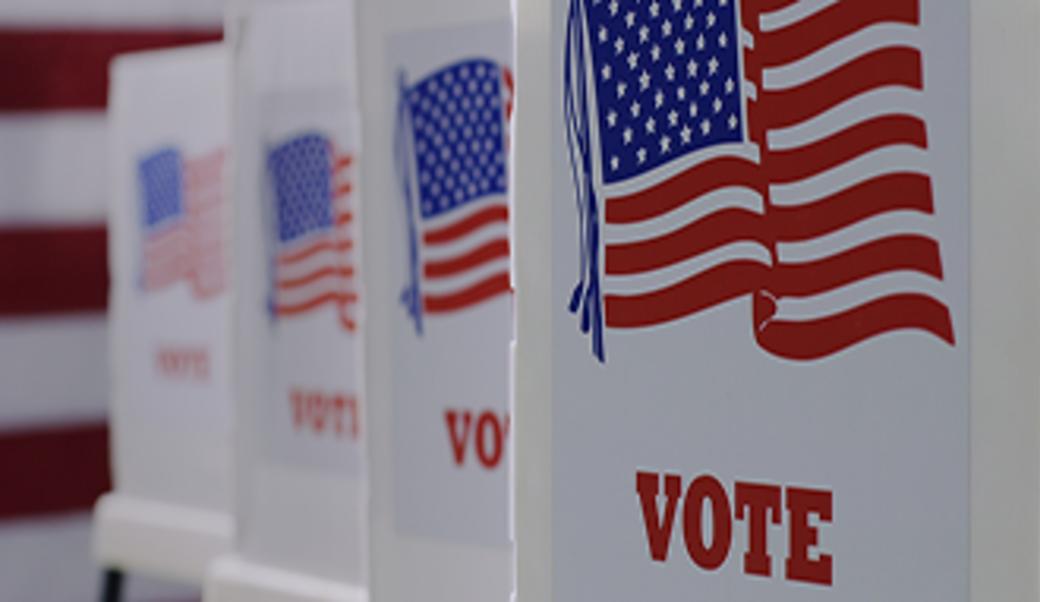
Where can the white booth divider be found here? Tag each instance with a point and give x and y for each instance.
(300, 472)
(171, 410)
(437, 94)
(777, 285)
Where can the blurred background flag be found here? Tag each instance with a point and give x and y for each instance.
(182, 221)
(54, 57)
(314, 266)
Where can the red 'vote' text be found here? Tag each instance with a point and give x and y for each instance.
(485, 432)
(183, 363)
(321, 413)
(758, 504)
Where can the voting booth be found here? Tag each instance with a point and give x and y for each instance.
(300, 466)
(170, 347)
(437, 95)
(777, 283)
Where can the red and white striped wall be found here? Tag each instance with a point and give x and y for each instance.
(54, 57)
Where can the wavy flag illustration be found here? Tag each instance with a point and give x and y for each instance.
(314, 261)
(183, 225)
(451, 152)
(771, 148)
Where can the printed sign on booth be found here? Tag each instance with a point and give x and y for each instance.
(760, 342)
(182, 242)
(451, 416)
(314, 418)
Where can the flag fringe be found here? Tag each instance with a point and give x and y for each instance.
(587, 296)
(411, 296)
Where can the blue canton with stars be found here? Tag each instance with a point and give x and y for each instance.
(301, 170)
(667, 80)
(457, 121)
(162, 189)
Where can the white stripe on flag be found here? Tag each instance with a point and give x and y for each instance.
(884, 101)
(53, 370)
(53, 168)
(860, 233)
(693, 210)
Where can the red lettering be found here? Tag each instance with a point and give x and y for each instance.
(658, 528)
(318, 412)
(458, 440)
(183, 363)
(800, 504)
(709, 537)
(707, 489)
(355, 423)
(298, 407)
(201, 365)
(760, 501)
(489, 438)
(345, 406)
(339, 407)
(490, 421)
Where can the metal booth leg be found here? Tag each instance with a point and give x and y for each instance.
(112, 585)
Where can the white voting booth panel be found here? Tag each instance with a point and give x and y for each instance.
(777, 280)
(300, 481)
(171, 411)
(437, 94)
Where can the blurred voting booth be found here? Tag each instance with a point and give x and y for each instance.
(300, 463)
(777, 282)
(437, 93)
(171, 405)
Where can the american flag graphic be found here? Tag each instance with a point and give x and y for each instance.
(314, 259)
(771, 148)
(183, 221)
(451, 150)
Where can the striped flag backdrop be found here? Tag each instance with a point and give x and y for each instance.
(451, 146)
(54, 185)
(771, 148)
(183, 221)
(314, 263)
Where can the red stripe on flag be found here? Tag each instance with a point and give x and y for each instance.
(488, 215)
(56, 469)
(892, 192)
(53, 270)
(914, 253)
(492, 286)
(766, 6)
(318, 247)
(819, 338)
(878, 69)
(485, 253)
(706, 289)
(310, 277)
(68, 68)
(831, 25)
(681, 189)
(801, 163)
(317, 301)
